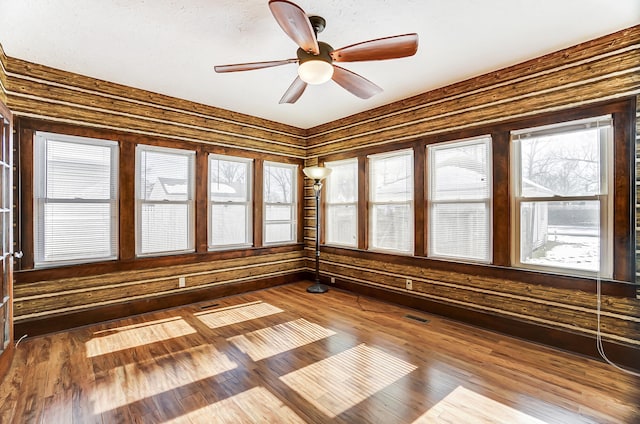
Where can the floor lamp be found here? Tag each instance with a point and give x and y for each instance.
(317, 174)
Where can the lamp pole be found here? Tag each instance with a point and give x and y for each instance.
(317, 174)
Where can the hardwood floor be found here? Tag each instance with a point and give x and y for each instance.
(285, 356)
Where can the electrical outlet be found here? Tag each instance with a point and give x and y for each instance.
(182, 282)
(333, 280)
(409, 284)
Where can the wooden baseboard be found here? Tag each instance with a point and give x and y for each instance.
(624, 355)
(61, 322)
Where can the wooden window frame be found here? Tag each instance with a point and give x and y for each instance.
(127, 260)
(326, 205)
(621, 283)
(295, 203)
(248, 204)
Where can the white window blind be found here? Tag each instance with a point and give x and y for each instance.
(75, 199)
(280, 207)
(230, 211)
(562, 209)
(342, 203)
(391, 201)
(164, 200)
(460, 200)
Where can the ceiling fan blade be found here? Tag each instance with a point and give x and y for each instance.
(379, 49)
(295, 24)
(354, 83)
(251, 66)
(294, 91)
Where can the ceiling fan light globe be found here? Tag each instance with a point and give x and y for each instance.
(315, 71)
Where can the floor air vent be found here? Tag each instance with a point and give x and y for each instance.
(415, 318)
(209, 306)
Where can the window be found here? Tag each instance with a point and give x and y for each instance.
(164, 200)
(342, 203)
(391, 201)
(280, 209)
(562, 207)
(460, 200)
(75, 199)
(229, 202)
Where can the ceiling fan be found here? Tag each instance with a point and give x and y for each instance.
(316, 58)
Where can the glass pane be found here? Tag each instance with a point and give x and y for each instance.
(564, 164)
(392, 227)
(460, 230)
(342, 183)
(392, 178)
(229, 225)
(560, 234)
(275, 232)
(164, 228)
(459, 172)
(278, 183)
(74, 231)
(78, 171)
(165, 175)
(228, 180)
(342, 225)
(278, 213)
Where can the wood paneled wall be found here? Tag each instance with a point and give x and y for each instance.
(603, 69)
(48, 99)
(594, 72)
(600, 70)
(3, 76)
(58, 296)
(41, 92)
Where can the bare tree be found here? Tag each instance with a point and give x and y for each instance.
(281, 178)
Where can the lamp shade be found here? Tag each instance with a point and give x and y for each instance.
(315, 71)
(317, 172)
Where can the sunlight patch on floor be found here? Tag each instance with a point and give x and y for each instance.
(130, 336)
(466, 406)
(270, 341)
(126, 384)
(341, 381)
(256, 405)
(235, 314)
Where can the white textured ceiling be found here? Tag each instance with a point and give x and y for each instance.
(171, 46)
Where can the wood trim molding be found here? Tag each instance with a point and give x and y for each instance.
(363, 202)
(419, 199)
(202, 201)
(624, 193)
(127, 204)
(624, 355)
(501, 221)
(25, 179)
(67, 321)
(258, 197)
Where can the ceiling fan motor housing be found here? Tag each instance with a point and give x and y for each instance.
(324, 55)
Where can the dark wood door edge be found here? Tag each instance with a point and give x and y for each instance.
(7, 359)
